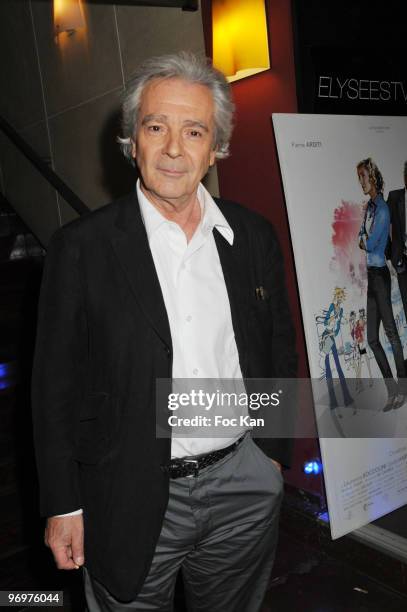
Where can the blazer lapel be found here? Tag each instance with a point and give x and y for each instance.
(234, 262)
(131, 246)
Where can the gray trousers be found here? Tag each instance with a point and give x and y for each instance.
(220, 529)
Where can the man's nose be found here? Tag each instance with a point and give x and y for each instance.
(173, 146)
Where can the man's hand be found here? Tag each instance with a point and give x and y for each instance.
(64, 536)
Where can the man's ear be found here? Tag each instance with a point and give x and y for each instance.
(133, 149)
(212, 156)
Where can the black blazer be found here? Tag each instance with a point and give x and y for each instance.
(396, 203)
(103, 338)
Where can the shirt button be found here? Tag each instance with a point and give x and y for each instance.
(189, 318)
(195, 371)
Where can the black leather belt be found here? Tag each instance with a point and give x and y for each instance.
(191, 466)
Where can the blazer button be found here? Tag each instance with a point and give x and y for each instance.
(167, 350)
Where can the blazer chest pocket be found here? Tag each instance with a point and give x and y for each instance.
(93, 429)
(262, 307)
(260, 304)
(261, 318)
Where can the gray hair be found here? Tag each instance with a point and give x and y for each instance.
(184, 65)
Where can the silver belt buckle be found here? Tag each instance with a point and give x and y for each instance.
(195, 462)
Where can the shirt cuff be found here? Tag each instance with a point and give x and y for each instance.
(74, 513)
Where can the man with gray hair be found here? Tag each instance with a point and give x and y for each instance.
(165, 283)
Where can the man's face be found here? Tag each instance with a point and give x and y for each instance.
(365, 182)
(173, 145)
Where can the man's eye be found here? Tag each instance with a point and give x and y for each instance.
(154, 128)
(195, 133)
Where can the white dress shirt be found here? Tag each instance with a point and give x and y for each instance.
(197, 304)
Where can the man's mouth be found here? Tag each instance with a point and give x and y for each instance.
(172, 172)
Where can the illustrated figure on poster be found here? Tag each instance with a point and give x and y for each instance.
(352, 323)
(332, 324)
(355, 351)
(397, 205)
(358, 333)
(373, 238)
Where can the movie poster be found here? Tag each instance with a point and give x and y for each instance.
(342, 176)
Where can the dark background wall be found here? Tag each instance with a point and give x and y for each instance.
(350, 40)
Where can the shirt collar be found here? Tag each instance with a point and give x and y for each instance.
(377, 200)
(211, 215)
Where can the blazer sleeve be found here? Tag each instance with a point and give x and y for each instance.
(59, 374)
(283, 342)
(284, 355)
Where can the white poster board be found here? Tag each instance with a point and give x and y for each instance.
(366, 476)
